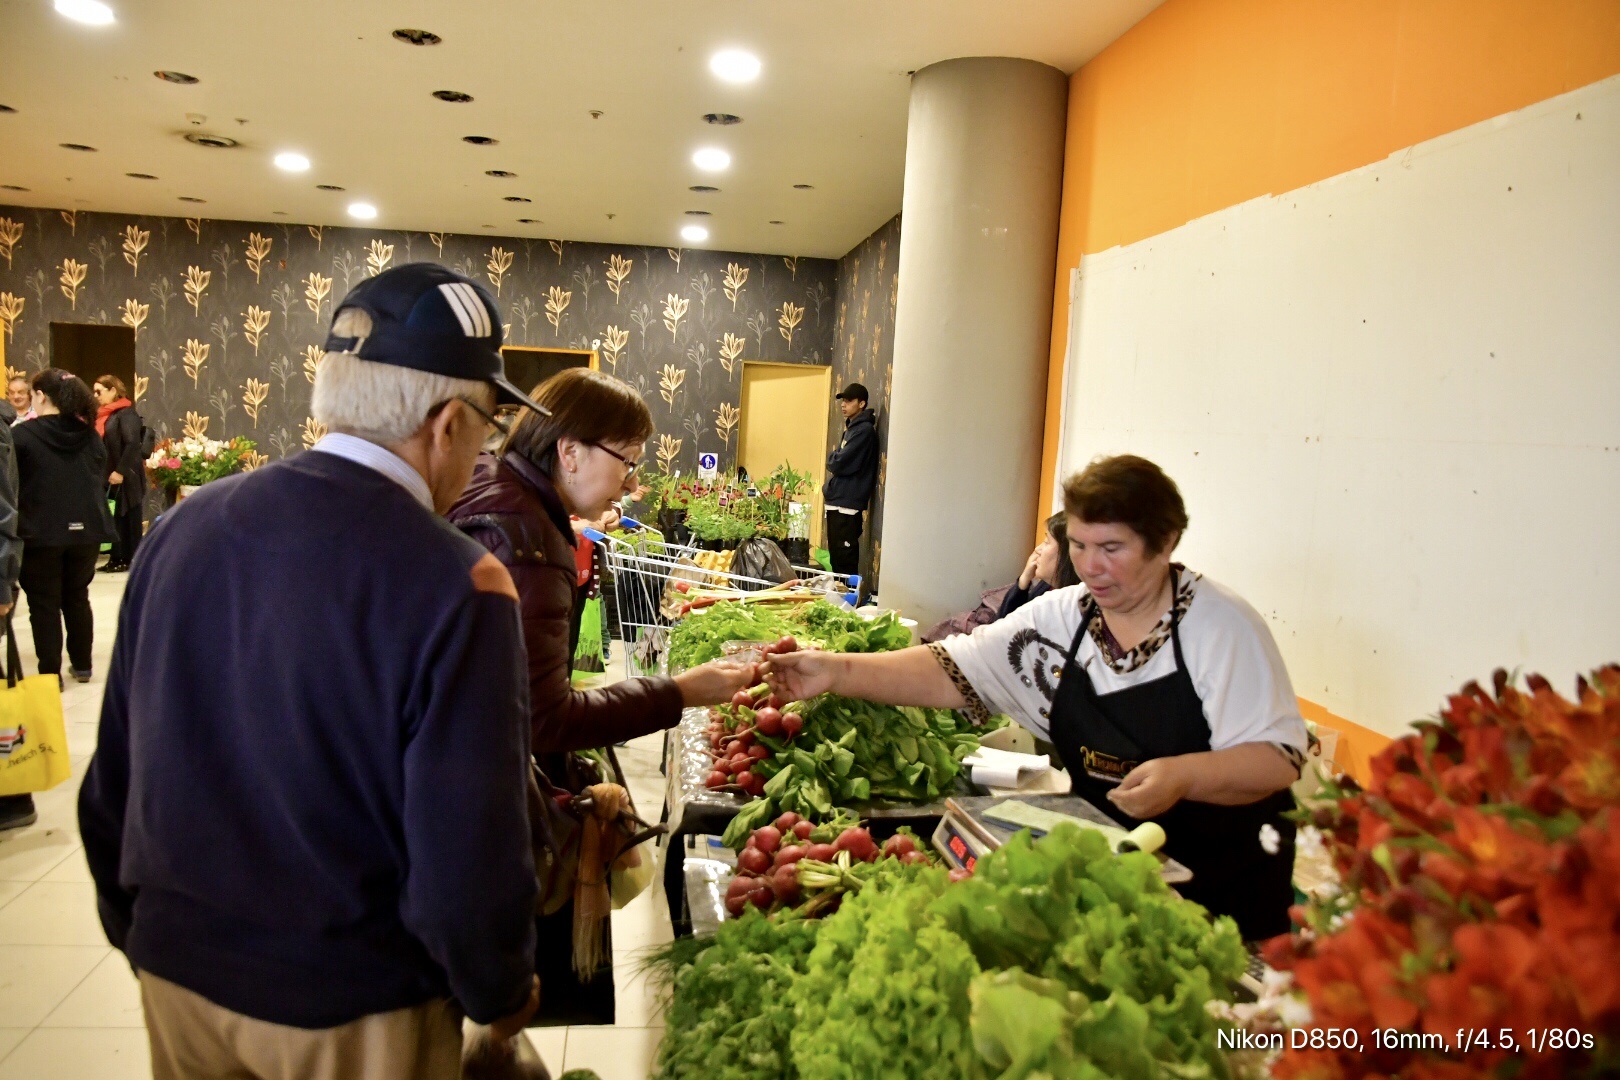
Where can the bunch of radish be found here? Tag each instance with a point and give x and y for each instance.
(784, 864)
(734, 731)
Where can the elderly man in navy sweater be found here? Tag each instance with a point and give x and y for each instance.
(306, 813)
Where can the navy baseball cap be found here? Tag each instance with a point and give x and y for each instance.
(429, 318)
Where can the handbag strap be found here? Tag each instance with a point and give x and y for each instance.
(13, 660)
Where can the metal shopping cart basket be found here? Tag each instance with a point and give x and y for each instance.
(652, 582)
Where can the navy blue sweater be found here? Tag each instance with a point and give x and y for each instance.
(307, 803)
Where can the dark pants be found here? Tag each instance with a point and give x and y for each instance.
(844, 542)
(128, 524)
(57, 583)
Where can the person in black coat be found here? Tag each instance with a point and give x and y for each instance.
(62, 473)
(851, 476)
(122, 430)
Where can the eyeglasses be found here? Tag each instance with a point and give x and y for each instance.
(630, 467)
(495, 422)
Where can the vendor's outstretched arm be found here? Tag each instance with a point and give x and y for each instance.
(907, 677)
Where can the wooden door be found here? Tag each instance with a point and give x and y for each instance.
(784, 415)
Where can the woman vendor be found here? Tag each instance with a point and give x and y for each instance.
(1162, 691)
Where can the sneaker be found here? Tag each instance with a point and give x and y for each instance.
(80, 674)
(17, 811)
(114, 568)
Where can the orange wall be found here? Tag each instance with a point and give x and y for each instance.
(1209, 103)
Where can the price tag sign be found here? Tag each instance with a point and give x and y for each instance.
(708, 466)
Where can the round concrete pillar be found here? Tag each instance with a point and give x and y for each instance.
(973, 317)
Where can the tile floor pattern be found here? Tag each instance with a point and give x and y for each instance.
(69, 1007)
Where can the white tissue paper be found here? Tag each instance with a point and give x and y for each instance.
(1004, 769)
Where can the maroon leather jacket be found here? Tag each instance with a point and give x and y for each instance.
(512, 509)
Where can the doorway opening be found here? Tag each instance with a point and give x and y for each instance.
(91, 350)
(783, 420)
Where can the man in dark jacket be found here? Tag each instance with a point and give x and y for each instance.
(306, 815)
(15, 810)
(851, 476)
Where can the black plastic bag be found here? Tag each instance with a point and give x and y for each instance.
(761, 558)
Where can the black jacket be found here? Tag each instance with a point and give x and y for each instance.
(852, 468)
(62, 491)
(123, 442)
(10, 542)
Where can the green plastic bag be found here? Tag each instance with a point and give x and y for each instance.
(112, 508)
(588, 656)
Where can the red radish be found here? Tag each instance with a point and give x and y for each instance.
(758, 753)
(741, 885)
(899, 845)
(754, 860)
(736, 905)
(959, 875)
(786, 820)
(734, 747)
(803, 829)
(912, 858)
(716, 779)
(792, 724)
(769, 721)
(755, 784)
(739, 762)
(742, 776)
(761, 898)
(785, 883)
(787, 644)
(775, 702)
(821, 852)
(791, 854)
(858, 842)
(767, 838)
(741, 699)
(746, 737)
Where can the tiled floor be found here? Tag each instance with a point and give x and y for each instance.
(69, 1007)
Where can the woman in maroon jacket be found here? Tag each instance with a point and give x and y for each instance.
(576, 461)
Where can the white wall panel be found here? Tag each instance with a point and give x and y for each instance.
(1392, 401)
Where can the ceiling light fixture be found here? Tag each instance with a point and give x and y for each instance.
(417, 37)
(703, 189)
(480, 140)
(453, 96)
(516, 198)
(329, 187)
(695, 234)
(499, 174)
(178, 77)
(212, 142)
(287, 161)
(12, 187)
(698, 213)
(140, 176)
(721, 119)
(191, 198)
(362, 210)
(77, 146)
(6, 108)
(89, 12)
(734, 65)
(711, 159)
(804, 187)
(529, 221)
(775, 221)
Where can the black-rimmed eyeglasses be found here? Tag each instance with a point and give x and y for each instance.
(630, 467)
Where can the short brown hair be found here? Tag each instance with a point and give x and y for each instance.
(585, 405)
(1131, 491)
(113, 383)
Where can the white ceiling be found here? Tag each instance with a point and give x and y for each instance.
(325, 77)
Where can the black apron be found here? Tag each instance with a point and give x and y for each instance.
(1101, 737)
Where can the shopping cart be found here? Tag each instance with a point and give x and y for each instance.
(651, 582)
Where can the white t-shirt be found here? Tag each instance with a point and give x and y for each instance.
(1014, 665)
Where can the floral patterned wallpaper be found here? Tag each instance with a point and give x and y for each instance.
(230, 316)
(863, 352)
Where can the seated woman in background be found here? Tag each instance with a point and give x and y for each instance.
(1048, 568)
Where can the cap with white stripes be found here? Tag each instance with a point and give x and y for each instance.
(430, 318)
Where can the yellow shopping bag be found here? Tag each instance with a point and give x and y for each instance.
(33, 738)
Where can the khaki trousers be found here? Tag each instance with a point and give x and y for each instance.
(194, 1039)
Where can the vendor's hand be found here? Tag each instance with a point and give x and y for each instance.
(1027, 577)
(801, 675)
(714, 683)
(1151, 788)
(115, 479)
(512, 1024)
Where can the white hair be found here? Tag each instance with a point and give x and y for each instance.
(381, 403)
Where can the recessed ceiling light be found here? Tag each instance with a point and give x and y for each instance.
(179, 77)
(77, 146)
(191, 198)
(517, 198)
(211, 142)
(480, 140)
(329, 187)
(528, 221)
(703, 189)
(417, 37)
(453, 96)
(362, 210)
(721, 119)
(711, 159)
(804, 187)
(6, 108)
(695, 234)
(776, 222)
(499, 174)
(279, 213)
(12, 187)
(735, 65)
(140, 176)
(288, 161)
(698, 213)
(486, 226)
(89, 12)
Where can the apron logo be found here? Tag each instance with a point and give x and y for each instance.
(1105, 766)
(11, 738)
